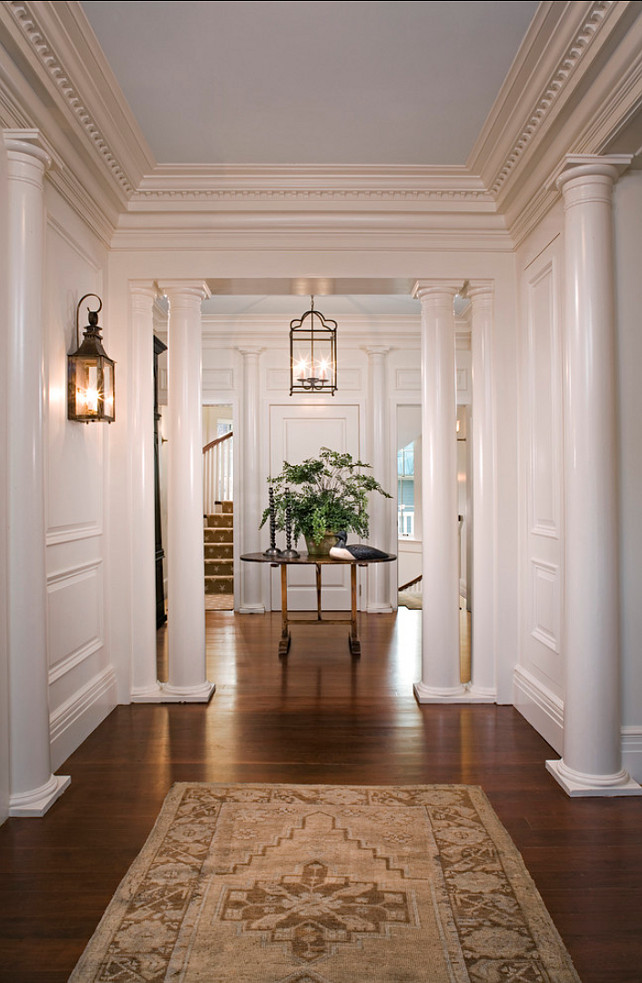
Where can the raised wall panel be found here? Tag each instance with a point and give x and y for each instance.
(81, 680)
(408, 380)
(545, 404)
(540, 676)
(544, 603)
(74, 617)
(217, 380)
(75, 451)
(277, 380)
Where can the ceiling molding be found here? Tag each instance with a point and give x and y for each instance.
(215, 183)
(596, 82)
(560, 47)
(65, 56)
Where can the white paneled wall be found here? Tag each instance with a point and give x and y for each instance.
(539, 677)
(81, 679)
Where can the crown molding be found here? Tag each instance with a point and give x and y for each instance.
(592, 53)
(183, 184)
(66, 67)
(558, 49)
(566, 47)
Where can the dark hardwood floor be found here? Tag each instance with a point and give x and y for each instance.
(319, 717)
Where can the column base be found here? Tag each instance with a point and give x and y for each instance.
(147, 694)
(188, 694)
(438, 694)
(379, 608)
(480, 694)
(38, 800)
(576, 783)
(252, 609)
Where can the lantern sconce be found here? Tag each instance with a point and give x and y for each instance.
(313, 353)
(90, 374)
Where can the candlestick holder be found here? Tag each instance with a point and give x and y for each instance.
(289, 552)
(272, 551)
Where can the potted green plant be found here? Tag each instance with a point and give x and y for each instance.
(325, 494)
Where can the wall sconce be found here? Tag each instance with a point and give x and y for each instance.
(90, 374)
(313, 353)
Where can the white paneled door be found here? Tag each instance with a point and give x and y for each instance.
(298, 431)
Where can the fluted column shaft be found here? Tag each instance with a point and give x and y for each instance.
(185, 554)
(440, 680)
(592, 760)
(33, 787)
(379, 573)
(483, 686)
(252, 482)
(144, 687)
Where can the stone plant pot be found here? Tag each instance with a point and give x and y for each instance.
(323, 548)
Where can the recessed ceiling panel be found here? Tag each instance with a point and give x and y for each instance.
(310, 83)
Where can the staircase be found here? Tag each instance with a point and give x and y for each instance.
(219, 541)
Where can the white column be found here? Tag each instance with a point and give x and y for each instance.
(592, 760)
(253, 484)
(379, 508)
(440, 682)
(185, 555)
(145, 687)
(483, 687)
(33, 787)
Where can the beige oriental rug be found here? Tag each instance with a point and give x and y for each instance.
(326, 884)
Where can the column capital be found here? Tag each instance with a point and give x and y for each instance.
(29, 143)
(377, 349)
(144, 288)
(143, 294)
(187, 289)
(480, 290)
(435, 288)
(589, 165)
(249, 350)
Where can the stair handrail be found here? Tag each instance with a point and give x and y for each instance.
(217, 471)
(218, 440)
(411, 583)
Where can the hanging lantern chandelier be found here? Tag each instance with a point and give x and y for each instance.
(313, 353)
(90, 374)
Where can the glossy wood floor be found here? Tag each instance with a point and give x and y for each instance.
(319, 717)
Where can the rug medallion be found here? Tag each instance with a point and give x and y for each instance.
(326, 884)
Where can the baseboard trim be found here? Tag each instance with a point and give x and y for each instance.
(542, 708)
(75, 719)
(632, 752)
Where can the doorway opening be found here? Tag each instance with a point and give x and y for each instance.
(218, 506)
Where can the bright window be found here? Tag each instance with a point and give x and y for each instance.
(406, 490)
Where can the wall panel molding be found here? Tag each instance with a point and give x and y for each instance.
(72, 533)
(72, 722)
(545, 588)
(75, 616)
(408, 380)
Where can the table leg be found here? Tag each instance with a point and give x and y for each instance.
(284, 643)
(353, 640)
(318, 566)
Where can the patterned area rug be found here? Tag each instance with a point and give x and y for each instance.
(326, 884)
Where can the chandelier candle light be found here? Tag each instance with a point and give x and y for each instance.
(313, 353)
